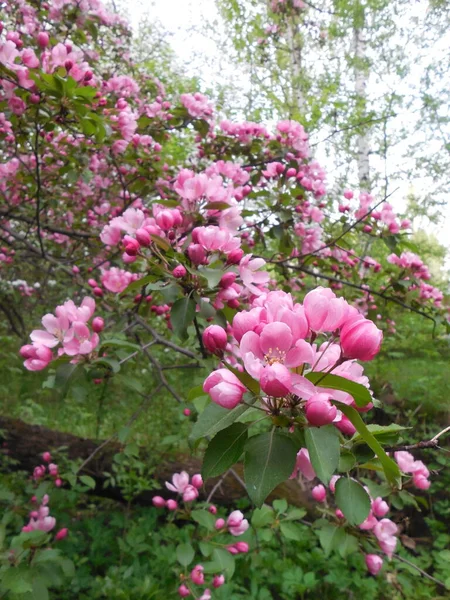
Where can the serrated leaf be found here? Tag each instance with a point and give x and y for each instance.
(323, 447)
(280, 505)
(87, 480)
(262, 516)
(224, 450)
(269, 460)
(353, 500)
(359, 393)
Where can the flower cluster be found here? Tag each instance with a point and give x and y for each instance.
(67, 328)
(275, 340)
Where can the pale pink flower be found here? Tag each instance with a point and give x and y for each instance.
(180, 482)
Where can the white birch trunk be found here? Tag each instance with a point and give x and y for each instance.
(361, 80)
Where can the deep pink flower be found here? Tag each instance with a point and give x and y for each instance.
(197, 576)
(215, 339)
(37, 356)
(303, 465)
(319, 410)
(361, 339)
(319, 493)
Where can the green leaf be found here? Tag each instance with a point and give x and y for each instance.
(262, 516)
(292, 531)
(17, 580)
(386, 434)
(110, 363)
(160, 242)
(89, 481)
(346, 462)
(212, 276)
(40, 591)
(204, 518)
(117, 343)
(205, 548)
(280, 505)
(222, 562)
(349, 545)
(360, 394)
(390, 468)
(215, 418)
(295, 514)
(353, 500)
(185, 554)
(181, 316)
(331, 537)
(195, 392)
(250, 383)
(269, 460)
(323, 447)
(224, 450)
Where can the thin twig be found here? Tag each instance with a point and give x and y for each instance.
(421, 571)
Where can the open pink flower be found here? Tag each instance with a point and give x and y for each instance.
(56, 329)
(80, 340)
(251, 275)
(180, 482)
(236, 523)
(324, 311)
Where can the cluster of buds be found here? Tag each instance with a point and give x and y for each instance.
(51, 469)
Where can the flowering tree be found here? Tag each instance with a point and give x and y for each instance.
(218, 258)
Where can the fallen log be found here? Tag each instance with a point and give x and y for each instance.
(24, 444)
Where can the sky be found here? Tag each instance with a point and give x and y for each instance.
(184, 21)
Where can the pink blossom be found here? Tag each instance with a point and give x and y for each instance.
(385, 531)
(190, 493)
(206, 595)
(319, 493)
(324, 311)
(218, 581)
(360, 339)
(79, 340)
(250, 275)
(373, 563)
(158, 502)
(180, 482)
(319, 410)
(37, 356)
(197, 576)
(183, 591)
(116, 280)
(214, 339)
(303, 465)
(224, 388)
(236, 523)
(379, 507)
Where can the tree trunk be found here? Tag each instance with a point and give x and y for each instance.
(361, 80)
(24, 444)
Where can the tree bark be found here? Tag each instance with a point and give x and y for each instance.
(24, 444)
(361, 80)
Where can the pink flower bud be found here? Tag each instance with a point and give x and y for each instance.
(212, 509)
(186, 412)
(224, 388)
(235, 256)
(190, 493)
(319, 410)
(43, 39)
(231, 549)
(218, 581)
(98, 292)
(165, 220)
(220, 524)
(158, 501)
(345, 426)
(39, 472)
(319, 493)
(47, 456)
(132, 246)
(197, 576)
(215, 339)
(348, 194)
(58, 482)
(53, 469)
(171, 504)
(291, 172)
(275, 380)
(197, 481)
(143, 237)
(380, 508)
(361, 339)
(62, 533)
(236, 523)
(197, 254)
(373, 563)
(242, 547)
(227, 280)
(184, 591)
(179, 271)
(98, 324)
(339, 513)
(75, 269)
